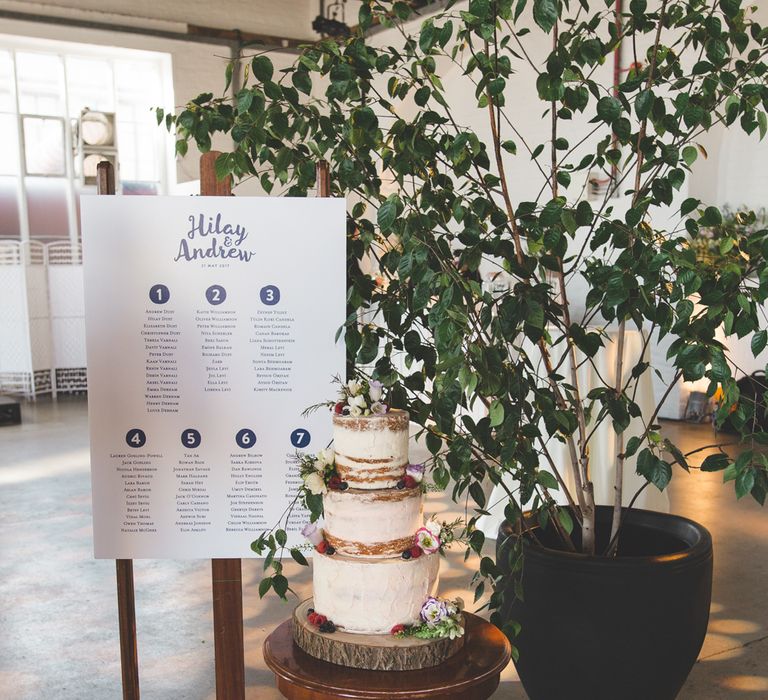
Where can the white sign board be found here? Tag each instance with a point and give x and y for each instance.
(210, 327)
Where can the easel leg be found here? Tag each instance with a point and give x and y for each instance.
(126, 610)
(228, 628)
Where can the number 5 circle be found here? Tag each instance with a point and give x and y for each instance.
(191, 438)
(245, 438)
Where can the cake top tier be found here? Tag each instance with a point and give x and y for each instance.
(395, 420)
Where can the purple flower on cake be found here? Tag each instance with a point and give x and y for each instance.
(416, 471)
(313, 533)
(433, 611)
(375, 391)
(378, 408)
(428, 541)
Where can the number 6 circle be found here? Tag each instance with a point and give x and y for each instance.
(245, 438)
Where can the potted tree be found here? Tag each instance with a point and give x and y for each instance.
(601, 601)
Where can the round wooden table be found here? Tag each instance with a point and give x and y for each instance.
(471, 674)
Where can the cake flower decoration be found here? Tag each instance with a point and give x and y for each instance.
(313, 533)
(375, 390)
(315, 483)
(433, 611)
(357, 397)
(416, 472)
(440, 618)
(427, 541)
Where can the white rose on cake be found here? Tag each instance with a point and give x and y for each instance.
(374, 391)
(315, 484)
(434, 527)
(325, 458)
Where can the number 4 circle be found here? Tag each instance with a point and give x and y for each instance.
(135, 438)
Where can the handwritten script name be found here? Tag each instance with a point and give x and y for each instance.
(211, 238)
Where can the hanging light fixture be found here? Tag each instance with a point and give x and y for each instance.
(331, 21)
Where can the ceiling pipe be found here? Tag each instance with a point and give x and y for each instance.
(195, 33)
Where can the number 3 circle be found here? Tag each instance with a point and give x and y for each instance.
(269, 295)
(245, 438)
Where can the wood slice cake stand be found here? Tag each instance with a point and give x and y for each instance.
(472, 673)
(377, 652)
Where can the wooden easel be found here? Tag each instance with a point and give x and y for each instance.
(226, 574)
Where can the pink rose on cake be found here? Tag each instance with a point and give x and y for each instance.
(427, 540)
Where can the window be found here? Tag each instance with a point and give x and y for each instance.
(44, 88)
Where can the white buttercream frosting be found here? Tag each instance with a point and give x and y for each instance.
(371, 596)
(366, 520)
(371, 451)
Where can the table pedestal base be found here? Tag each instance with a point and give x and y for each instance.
(471, 674)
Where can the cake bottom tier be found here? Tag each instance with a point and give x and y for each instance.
(371, 596)
(380, 652)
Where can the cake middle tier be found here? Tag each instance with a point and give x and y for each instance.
(372, 523)
(371, 596)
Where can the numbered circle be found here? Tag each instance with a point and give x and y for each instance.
(245, 438)
(269, 295)
(215, 294)
(190, 438)
(159, 294)
(300, 437)
(135, 438)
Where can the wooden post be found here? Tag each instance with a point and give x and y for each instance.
(323, 179)
(126, 599)
(226, 574)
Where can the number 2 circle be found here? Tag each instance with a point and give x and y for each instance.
(215, 294)
(245, 438)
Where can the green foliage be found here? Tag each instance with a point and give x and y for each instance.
(429, 200)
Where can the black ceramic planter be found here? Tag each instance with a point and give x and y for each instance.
(628, 628)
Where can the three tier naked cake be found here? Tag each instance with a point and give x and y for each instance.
(376, 564)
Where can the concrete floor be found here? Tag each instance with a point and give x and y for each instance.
(58, 618)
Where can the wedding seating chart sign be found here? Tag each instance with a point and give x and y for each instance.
(210, 328)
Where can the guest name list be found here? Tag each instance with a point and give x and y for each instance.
(210, 327)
